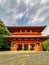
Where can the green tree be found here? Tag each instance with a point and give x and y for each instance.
(4, 44)
(45, 45)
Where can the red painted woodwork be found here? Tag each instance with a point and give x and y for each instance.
(26, 38)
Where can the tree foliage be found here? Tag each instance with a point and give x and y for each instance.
(3, 29)
(45, 45)
(4, 44)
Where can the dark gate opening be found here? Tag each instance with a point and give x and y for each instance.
(25, 46)
(19, 47)
(31, 47)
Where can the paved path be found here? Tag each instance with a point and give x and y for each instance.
(24, 58)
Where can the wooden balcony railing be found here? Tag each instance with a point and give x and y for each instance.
(28, 33)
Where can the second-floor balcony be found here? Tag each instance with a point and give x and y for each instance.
(25, 33)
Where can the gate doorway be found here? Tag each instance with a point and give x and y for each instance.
(25, 46)
(31, 47)
(19, 47)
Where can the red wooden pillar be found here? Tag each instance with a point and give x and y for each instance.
(22, 46)
(28, 47)
(16, 46)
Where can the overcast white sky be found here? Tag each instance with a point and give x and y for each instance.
(25, 12)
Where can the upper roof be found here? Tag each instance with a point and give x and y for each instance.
(34, 28)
